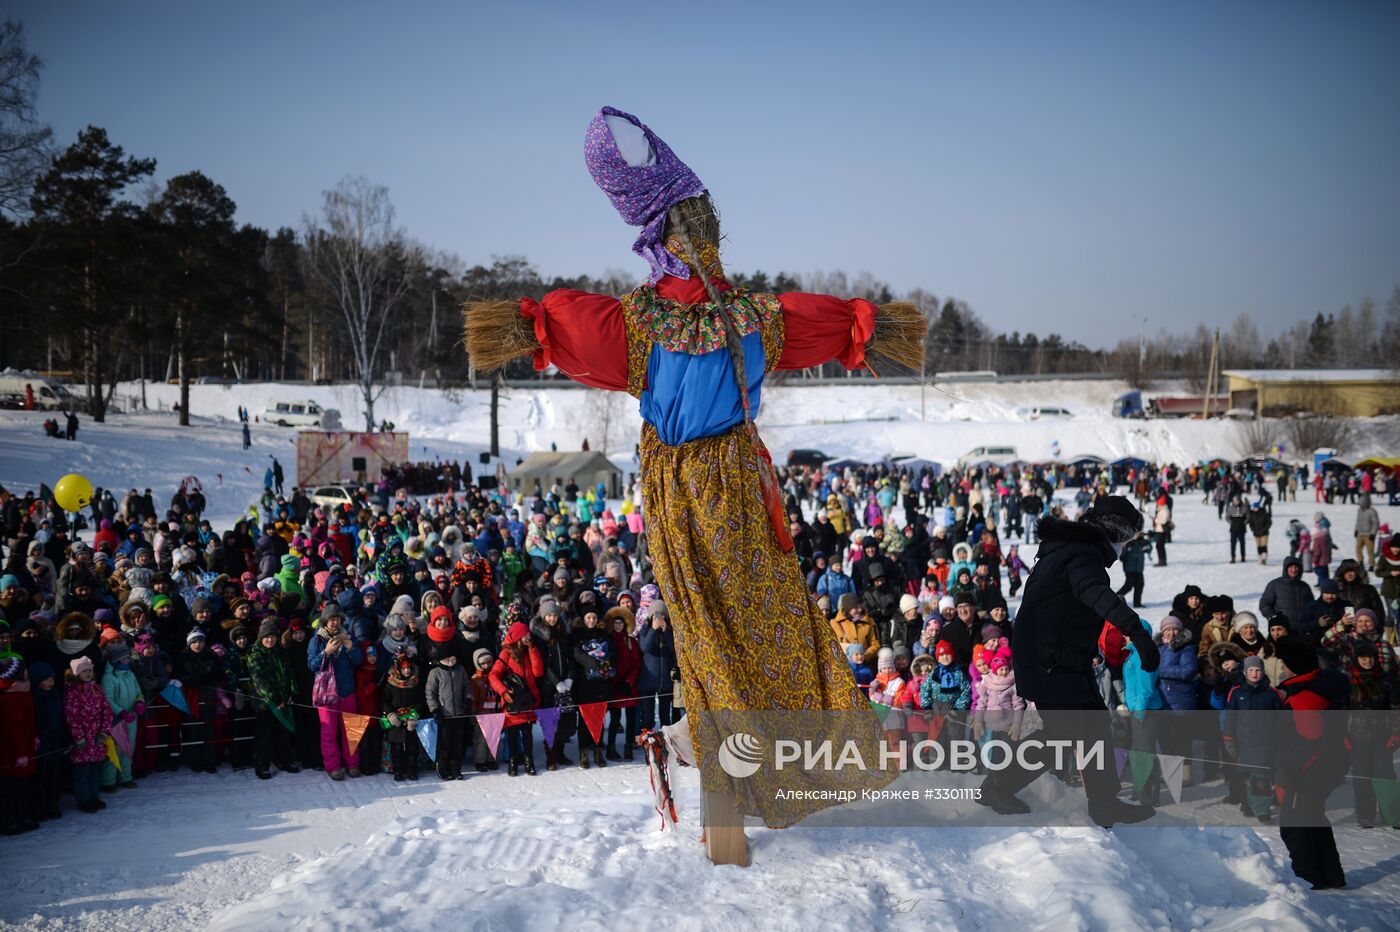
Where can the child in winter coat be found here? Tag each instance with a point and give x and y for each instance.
(947, 688)
(449, 697)
(124, 695)
(53, 741)
(998, 700)
(855, 655)
(403, 706)
(1249, 738)
(1143, 700)
(484, 702)
(19, 741)
(369, 700)
(88, 716)
(1015, 567)
(916, 716)
(160, 723)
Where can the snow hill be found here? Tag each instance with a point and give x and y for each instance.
(865, 421)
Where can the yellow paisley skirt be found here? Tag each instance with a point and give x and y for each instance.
(756, 654)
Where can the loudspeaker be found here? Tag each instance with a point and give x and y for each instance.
(484, 459)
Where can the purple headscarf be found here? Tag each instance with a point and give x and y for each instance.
(642, 194)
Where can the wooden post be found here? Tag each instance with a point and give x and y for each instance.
(725, 842)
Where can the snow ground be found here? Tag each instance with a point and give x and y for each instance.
(583, 849)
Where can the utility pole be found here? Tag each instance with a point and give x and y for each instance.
(1211, 383)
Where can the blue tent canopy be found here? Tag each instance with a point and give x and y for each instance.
(1130, 462)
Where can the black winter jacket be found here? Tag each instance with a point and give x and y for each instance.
(1067, 599)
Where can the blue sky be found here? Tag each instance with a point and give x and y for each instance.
(1060, 166)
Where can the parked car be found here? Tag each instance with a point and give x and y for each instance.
(333, 496)
(999, 456)
(806, 458)
(301, 414)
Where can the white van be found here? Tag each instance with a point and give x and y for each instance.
(49, 395)
(301, 414)
(998, 455)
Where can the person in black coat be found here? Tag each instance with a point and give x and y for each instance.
(552, 638)
(201, 674)
(1288, 592)
(1068, 597)
(655, 685)
(1312, 762)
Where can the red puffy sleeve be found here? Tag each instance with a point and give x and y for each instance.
(818, 328)
(582, 335)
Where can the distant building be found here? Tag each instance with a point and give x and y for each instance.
(1345, 392)
(551, 468)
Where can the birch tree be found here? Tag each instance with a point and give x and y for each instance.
(358, 256)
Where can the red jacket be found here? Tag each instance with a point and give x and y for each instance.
(628, 651)
(19, 739)
(1113, 646)
(368, 691)
(532, 668)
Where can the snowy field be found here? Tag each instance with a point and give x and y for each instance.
(582, 849)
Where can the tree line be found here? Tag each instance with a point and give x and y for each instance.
(109, 277)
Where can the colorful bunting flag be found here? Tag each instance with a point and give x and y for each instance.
(1173, 772)
(549, 723)
(1388, 798)
(593, 714)
(355, 725)
(121, 736)
(1144, 765)
(427, 730)
(284, 716)
(491, 726)
(882, 711)
(112, 753)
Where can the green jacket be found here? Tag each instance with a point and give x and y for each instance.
(270, 672)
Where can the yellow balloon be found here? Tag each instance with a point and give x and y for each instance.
(73, 492)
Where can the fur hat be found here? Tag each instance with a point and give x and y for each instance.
(1218, 604)
(964, 598)
(440, 650)
(907, 602)
(1243, 620)
(844, 604)
(947, 601)
(1117, 517)
(1296, 654)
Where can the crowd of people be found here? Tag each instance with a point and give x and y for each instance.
(252, 647)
